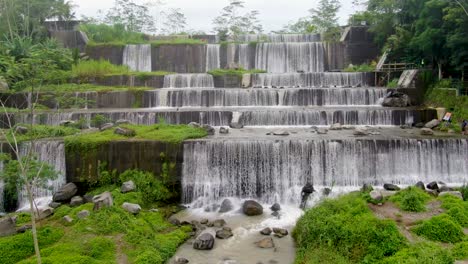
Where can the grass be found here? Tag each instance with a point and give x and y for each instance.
(361, 68)
(74, 88)
(456, 208)
(441, 228)
(411, 199)
(460, 251)
(457, 105)
(43, 131)
(160, 132)
(153, 43)
(235, 72)
(421, 253)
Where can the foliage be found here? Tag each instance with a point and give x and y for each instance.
(421, 253)
(176, 22)
(440, 228)
(393, 84)
(324, 17)
(411, 199)
(456, 208)
(99, 120)
(18, 247)
(102, 33)
(132, 16)
(152, 190)
(92, 69)
(464, 191)
(347, 227)
(232, 23)
(460, 251)
(236, 72)
(177, 41)
(42, 131)
(458, 105)
(361, 68)
(302, 26)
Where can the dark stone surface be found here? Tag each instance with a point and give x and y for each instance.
(204, 242)
(391, 187)
(252, 208)
(421, 185)
(65, 193)
(179, 58)
(7, 226)
(226, 206)
(112, 53)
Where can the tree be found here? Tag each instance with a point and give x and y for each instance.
(232, 22)
(302, 26)
(324, 17)
(134, 17)
(175, 21)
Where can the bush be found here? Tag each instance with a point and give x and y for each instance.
(152, 190)
(411, 199)
(464, 192)
(422, 253)
(348, 227)
(460, 251)
(102, 33)
(456, 208)
(92, 69)
(361, 68)
(440, 228)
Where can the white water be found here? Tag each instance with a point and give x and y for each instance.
(279, 38)
(138, 57)
(212, 57)
(188, 81)
(322, 79)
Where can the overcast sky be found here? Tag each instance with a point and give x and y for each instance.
(200, 13)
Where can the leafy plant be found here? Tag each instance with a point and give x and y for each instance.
(411, 199)
(153, 190)
(460, 251)
(440, 228)
(421, 253)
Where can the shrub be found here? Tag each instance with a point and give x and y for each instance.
(460, 251)
(464, 192)
(348, 226)
(361, 68)
(102, 33)
(152, 189)
(421, 253)
(440, 228)
(411, 199)
(92, 69)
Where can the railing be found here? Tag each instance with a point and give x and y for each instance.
(389, 67)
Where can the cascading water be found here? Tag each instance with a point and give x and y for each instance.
(279, 38)
(290, 57)
(138, 57)
(52, 153)
(188, 81)
(322, 79)
(213, 60)
(275, 171)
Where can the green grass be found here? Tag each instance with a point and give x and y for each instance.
(360, 68)
(411, 199)
(456, 208)
(347, 230)
(153, 43)
(97, 68)
(460, 251)
(447, 99)
(72, 88)
(42, 131)
(441, 228)
(421, 253)
(160, 132)
(235, 72)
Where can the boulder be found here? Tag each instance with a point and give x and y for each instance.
(102, 200)
(432, 124)
(224, 130)
(209, 129)
(126, 132)
(181, 261)
(3, 85)
(453, 193)
(67, 219)
(397, 99)
(361, 131)
(223, 234)
(65, 193)
(265, 243)
(122, 122)
(419, 125)
(226, 206)
(76, 201)
(252, 208)
(336, 126)
(367, 188)
(83, 214)
(7, 226)
(204, 221)
(127, 187)
(376, 195)
(194, 125)
(44, 212)
(326, 191)
(391, 187)
(219, 223)
(432, 186)
(131, 208)
(106, 126)
(280, 231)
(281, 133)
(24, 228)
(386, 193)
(21, 130)
(175, 221)
(236, 125)
(420, 185)
(67, 123)
(308, 188)
(322, 131)
(276, 207)
(54, 205)
(212, 208)
(266, 231)
(88, 198)
(427, 132)
(204, 242)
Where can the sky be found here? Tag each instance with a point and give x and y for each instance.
(274, 14)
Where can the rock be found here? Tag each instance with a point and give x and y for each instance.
(361, 131)
(21, 130)
(122, 122)
(322, 131)
(204, 242)
(194, 125)
(314, 129)
(376, 195)
(181, 261)
(209, 129)
(227, 228)
(175, 221)
(67, 123)
(3, 85)
(427, 132)
(132, 208)
(226, 206)
(265, 243)
(44, 212)
(223, 234)
(204, 221)
(419, 125)
(54, 205)
(275, 214)
(434, 193)
(281, 231)
(453, 193)
(432, 124)
(308, 188)
(444, 188)
(236, 125)
(252, 208)
(348, 127)
(126, 132)
(386, 193)
(88, 198)
(65, 193)
(102, 200)
(405, 126)
(224, 130)
(396, 99)
(219, 223)
(336, 126)
(281, 133)
(127, 187)
(326, 191)
(432, 186)
(266, 231)
(83, 214)
(420, 185)
(106, 126)
(24, 228)
(391, 187)
(76, 201)
(276, 207)
(367, 188)
(68, 219)
(212, 208)
(7, 226)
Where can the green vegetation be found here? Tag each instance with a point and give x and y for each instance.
(460, 251)
(236, 72)
(43, 131)
(152, 190)
(102, 33)
(446, 98)
(88, 69)
(345, 230)
(153, 43)
(393, 84)
(440, 228)
(411, 199)
(160, 132)
(361, 68)
(421, 253)
(456, 208)
(72, 87)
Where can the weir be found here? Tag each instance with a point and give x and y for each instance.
(279, 38)
(275, 170)
(138, 57)
(322, 79)
(188, 81)
(213, 59)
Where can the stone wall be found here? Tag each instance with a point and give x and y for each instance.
(112, 53)
(179, 58)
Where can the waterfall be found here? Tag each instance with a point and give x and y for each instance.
(188, 81)
(262, 97)
(269, 170)
(279, 38)
(138, 57)
(290, 57)
(244, 56)
(322, 79)
(52, 153)
(212, 57)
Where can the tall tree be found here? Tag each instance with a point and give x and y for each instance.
(324, 17)
(135, 17)
(175, 22)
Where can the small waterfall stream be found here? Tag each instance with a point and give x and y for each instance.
(213, 60)
(138, 57)
(188, 81)
(305, 80)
